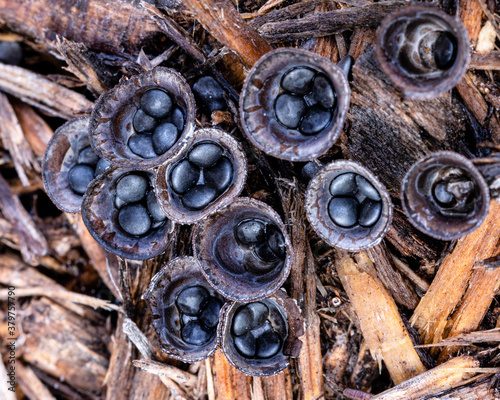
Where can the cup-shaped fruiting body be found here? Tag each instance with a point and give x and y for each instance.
(423, 50)
(244, 250)
(185, 310)
(259, 338)
(122, 213)
(294, 104)
(348, 206)
(70, 164)
(143, 121)
(206, 175)
(445, 196)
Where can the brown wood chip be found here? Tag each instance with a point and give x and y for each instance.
(432, 313)
(42, 93)
(328, 23)
(382, 326)
(32, 242)
(14, 141)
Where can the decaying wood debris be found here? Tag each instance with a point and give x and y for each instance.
(411, 318)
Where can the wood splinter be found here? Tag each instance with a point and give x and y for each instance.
(221, 19)
(432, 313)
(446, 376)
(381, 324)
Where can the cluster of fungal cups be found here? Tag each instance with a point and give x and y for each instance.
(129, 210)
(293, 106)
(193, 313)
(142, 123)
(242, 255)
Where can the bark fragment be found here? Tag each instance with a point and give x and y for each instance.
(328, 23)
(221, 19)
(59, 342)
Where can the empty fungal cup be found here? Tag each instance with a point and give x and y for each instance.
(445, 196)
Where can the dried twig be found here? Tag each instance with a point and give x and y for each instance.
(446, 376)
(466, 339)
(489, 61)
(81, 64)
(62, 294)
(176, 374)
(112, 27)
(13, 139)
(410, 274)
(303, 282)
(42, 93)
(328, 23)
(31, 385)
(137, 338)
(31, 241)
(483, 285)
(36, 131)
(230, 383)
(222, 20)
(400, 290)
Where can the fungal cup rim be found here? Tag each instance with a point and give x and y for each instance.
(297, 147)
(415, 87)
(176, 270)
(410, 200)
(219, 277)
(317, 199)
(110, 102)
